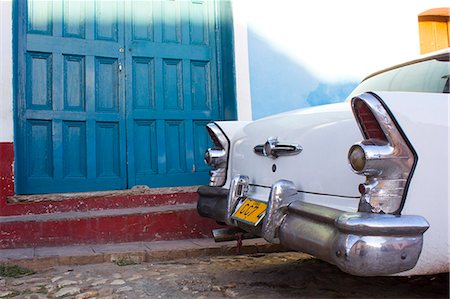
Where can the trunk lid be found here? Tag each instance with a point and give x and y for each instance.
(324, 132)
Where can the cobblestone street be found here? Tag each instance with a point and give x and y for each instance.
(272, 275)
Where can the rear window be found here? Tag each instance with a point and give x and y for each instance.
(424, 76)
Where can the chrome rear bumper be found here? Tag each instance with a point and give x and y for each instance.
(358, 243)
(363, 244)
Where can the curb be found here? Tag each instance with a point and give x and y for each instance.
(129, 253)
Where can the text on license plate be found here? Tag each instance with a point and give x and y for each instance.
(251, 211)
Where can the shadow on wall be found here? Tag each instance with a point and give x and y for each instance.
(330, 93)
(279, 84)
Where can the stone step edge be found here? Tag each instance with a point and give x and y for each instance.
(134, 191)
(127, 199)
(97, 213)
(40, 258)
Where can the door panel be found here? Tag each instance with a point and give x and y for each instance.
(108, 149)
(106, 84)
(106, 20)
(74, 83)
(145, 146)
(74, 149)
(175, 141)
(41, 157)
(200, 85)
(39, 81)
(143, 70)
(172, 84)
(74, 19)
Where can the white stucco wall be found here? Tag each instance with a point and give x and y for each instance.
(243, 93)
(6, 86)
(340, 39)
(333, 41)
(302, 50)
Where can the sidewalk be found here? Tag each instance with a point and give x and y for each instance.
(136, 252)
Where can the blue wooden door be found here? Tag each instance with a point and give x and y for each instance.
(71, 108)
(172, 90)
(113, 94)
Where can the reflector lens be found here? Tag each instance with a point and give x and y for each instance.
(208, 159)
(357, 158)
(362, 188)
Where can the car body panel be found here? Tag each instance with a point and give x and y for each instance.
(421, 117)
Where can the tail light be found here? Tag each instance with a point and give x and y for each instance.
(384, 157)
(369, 125)
(217, 157)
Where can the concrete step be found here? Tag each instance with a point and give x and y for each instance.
(155, 223)
(38, 258)
(87, 201)
(102, 217)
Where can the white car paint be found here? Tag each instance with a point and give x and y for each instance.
(325, 134)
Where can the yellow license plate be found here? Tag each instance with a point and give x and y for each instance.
(251, 212)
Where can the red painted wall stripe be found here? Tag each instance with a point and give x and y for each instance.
(6, 170)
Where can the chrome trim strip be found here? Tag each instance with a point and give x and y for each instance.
(223, 140)
(217, 157)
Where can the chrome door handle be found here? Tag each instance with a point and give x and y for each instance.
(273, 148)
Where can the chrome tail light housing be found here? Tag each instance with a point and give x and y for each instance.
(217, 157)
(385, 157)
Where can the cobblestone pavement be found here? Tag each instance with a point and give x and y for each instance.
(274, 275)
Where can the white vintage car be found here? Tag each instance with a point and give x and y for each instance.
(361, 184)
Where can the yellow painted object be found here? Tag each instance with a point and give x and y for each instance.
(434, 29)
